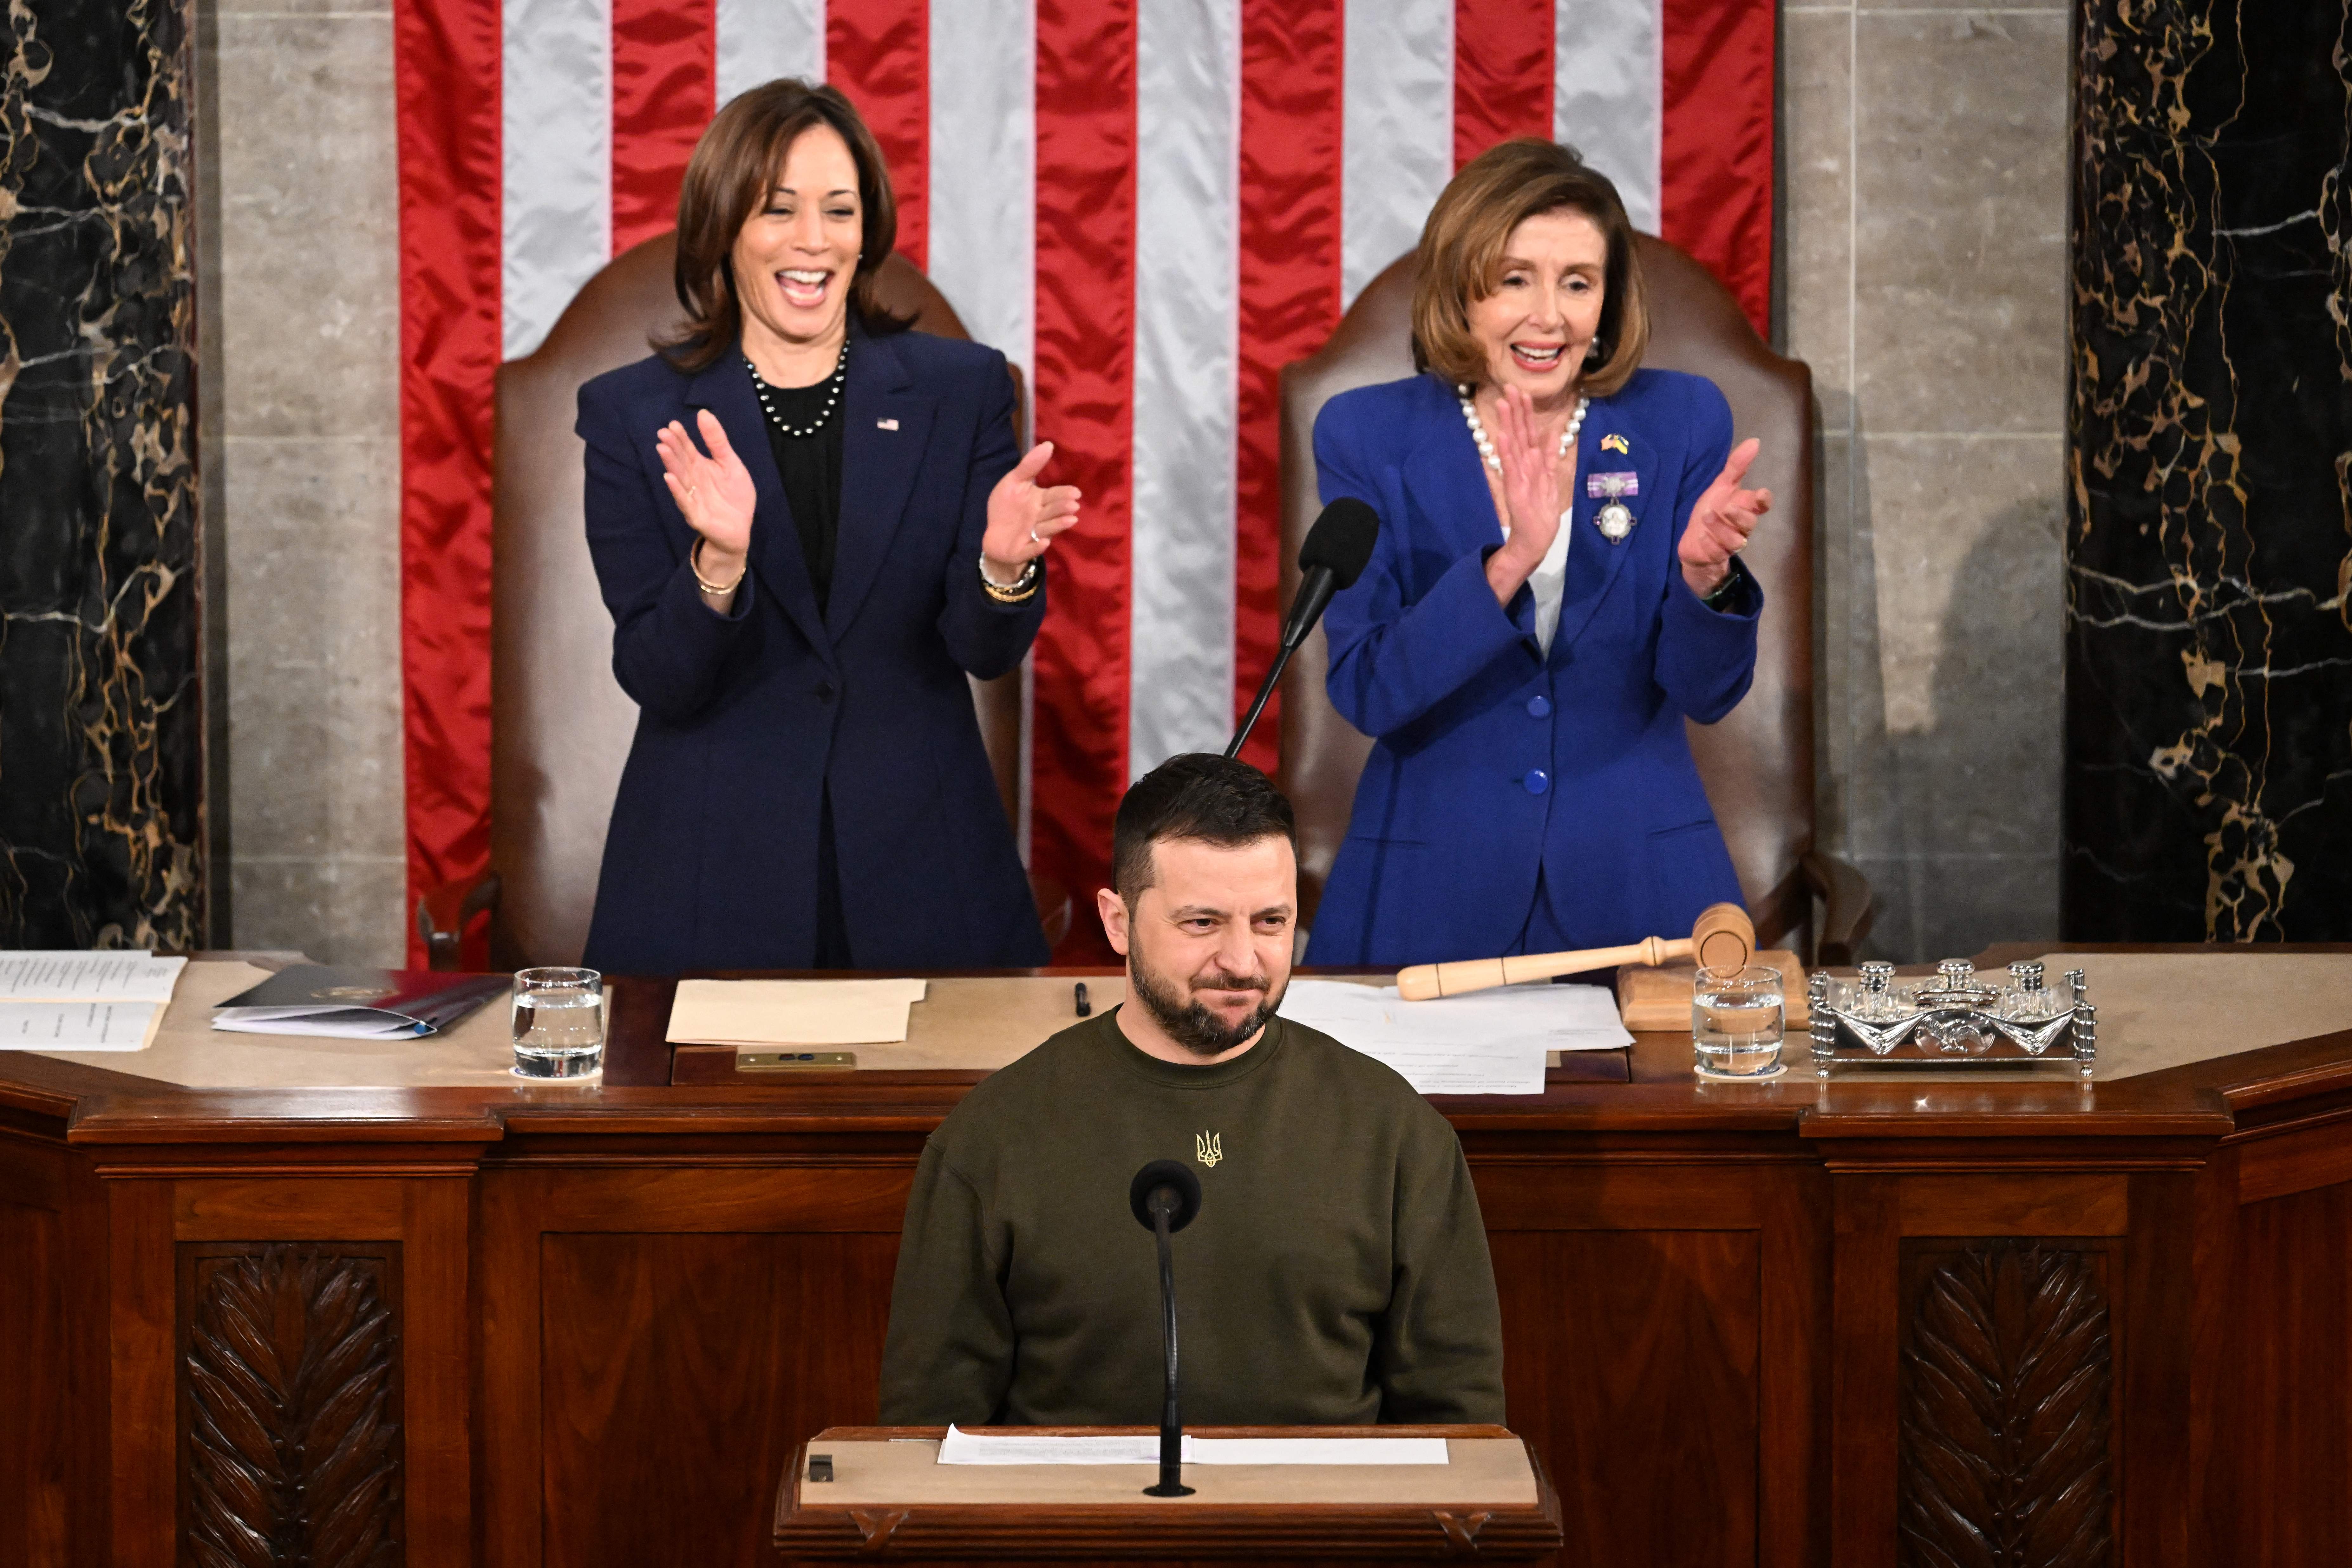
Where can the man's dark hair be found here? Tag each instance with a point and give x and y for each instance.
(1198, 795)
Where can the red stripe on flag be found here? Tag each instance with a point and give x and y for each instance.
(1715, 154)
(446, 76)
(879, 52)
(1288, 302)
(1502, 73)
(665, 90)
(1085, 381)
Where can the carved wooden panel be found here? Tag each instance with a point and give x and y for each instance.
(2007, 1402)
(289, 1404)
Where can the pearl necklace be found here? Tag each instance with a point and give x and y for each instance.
(1486, 446)
(832, 398)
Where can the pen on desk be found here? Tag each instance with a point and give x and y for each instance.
(1078, 996)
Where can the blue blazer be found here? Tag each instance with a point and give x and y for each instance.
(1491, 761)
(744, 719)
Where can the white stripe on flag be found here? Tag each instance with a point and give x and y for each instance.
(983, 198)
(984, 172)
(1187, 277)
(1398, 105)
(557, 122)
(1609, 76)
(760, 40)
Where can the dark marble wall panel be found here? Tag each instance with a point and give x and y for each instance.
(2209, 657)
(101, 734)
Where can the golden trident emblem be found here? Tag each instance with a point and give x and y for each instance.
(1207, 1148)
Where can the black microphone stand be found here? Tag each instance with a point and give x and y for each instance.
(1172, 1422)
(1265, 689)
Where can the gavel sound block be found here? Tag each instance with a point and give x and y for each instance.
(1721, 938)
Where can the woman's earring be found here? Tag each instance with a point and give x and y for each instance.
(1596, 354)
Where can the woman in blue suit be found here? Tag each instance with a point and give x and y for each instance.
(809, 526)
(1555, 589)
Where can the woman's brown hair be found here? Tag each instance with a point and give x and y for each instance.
(1461, 259)
(734, 167)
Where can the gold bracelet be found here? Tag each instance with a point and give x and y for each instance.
(694, 564)
(1020, 589)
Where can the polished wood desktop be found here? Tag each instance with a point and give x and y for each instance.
(1782, 1323)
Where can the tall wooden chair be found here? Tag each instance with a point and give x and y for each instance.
(560, 725)
(1758, 762)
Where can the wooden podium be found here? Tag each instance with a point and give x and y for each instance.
(890, 1498)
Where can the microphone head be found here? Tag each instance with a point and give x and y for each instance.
(1165, 1174)
(1341, 541)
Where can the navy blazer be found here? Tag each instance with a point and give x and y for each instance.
(1492, 761)
(745, 720)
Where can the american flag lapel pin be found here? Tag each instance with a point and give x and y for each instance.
(886, 425)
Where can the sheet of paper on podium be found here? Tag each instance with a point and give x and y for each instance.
(72, 1000)
(961, 1448)
(72, 975)
(1486, 1042)
(792, 1012)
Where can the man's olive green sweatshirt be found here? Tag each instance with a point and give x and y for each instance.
(1336, 1272)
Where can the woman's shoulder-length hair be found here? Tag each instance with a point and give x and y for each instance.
(734, 167)
(1461, 258)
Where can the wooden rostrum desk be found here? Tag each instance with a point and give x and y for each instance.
(1781, 1323)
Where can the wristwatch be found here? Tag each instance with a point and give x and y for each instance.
(1724, 591)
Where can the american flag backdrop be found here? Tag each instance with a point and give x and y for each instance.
(1150, 205)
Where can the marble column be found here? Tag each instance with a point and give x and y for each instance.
(2208, 651)
(101, 731)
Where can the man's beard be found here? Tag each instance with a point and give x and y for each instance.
(1190, 1024)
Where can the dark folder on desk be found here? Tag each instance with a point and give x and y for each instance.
(356, 1003)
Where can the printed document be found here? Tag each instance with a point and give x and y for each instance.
(78, 1026)
(76, 1000)
(1486, 1042)
(72, 975)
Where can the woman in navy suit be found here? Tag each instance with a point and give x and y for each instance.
(1556, 589)
(809, 526)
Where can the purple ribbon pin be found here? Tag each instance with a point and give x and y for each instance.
(1613, 486)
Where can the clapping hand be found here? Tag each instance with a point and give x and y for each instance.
(714, 492)
(1024, 516)
(1531, 478)
(1721, 521)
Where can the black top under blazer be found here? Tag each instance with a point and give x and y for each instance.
(747, 719)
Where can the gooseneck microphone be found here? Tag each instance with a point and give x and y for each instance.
(1165, 1195)
(1337, 550)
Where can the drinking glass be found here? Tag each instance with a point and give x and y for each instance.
(1737, 1020)
(559, 1023)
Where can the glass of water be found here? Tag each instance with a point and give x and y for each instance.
(1737, 1020)
(559, 1023)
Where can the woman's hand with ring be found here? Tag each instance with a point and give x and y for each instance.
(714, 493)
(1721, 521)
(1024, 516)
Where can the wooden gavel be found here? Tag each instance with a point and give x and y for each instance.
(1721, 938)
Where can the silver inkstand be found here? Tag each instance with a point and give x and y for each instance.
(1953, 1019)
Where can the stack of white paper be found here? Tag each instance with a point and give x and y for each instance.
(962, 1447)
(70, 1000)
(1487, 1042)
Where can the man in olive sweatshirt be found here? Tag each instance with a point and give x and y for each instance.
(1338, 1271)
